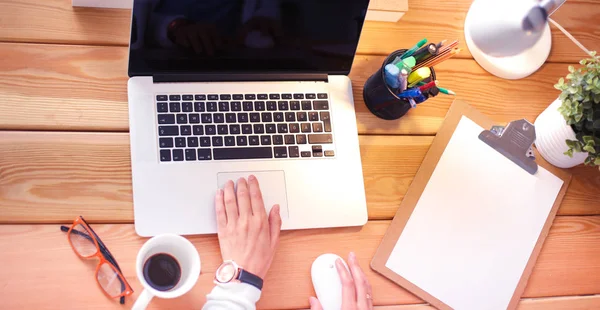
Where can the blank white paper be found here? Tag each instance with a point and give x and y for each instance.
(474, 227)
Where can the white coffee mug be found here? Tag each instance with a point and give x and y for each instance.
(186, 255)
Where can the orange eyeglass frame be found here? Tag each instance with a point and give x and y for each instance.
(100, 255)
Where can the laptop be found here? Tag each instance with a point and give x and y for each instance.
(224, 89)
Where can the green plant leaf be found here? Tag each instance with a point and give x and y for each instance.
(577, 147)
(588, 139)
(583, 62)
(588, 160)
(571, 69)
(589, 149)
(597, 161)
(569, 153)
(571, 143)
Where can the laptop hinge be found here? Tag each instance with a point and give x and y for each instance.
(239, 77)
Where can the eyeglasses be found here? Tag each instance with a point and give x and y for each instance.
(86, 244)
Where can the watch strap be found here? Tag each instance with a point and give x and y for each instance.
(249, 278)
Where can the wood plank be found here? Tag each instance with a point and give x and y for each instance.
(568, 265)
(85, 88)
(55, 21)
(49, 177)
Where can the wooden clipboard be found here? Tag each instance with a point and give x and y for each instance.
(457, 110)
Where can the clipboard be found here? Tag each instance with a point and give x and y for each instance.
(458, 111)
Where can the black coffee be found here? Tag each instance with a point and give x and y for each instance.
(162, 271)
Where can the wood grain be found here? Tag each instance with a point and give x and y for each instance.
(50, 177)
(55, 21)
(567, 265)
(85, 88)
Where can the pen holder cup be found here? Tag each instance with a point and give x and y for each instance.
(381, 99)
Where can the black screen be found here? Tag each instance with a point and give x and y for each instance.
(244, 36)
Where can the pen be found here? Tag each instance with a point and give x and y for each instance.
(413, 49)
(427, 86)
(446, 91)
(403, 77)
(439, 45)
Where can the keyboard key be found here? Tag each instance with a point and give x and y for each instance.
(165, 142)
(190, 154)
(259, 106)
(259, 128)
(222, 129)
(301, 116)
(295, 105)
(211, 106)
(223, 106)
(253, 140)
(282, 128)
(313, 116)
(242, 140)
(289, 139)
(236, 106)
(317, 151)
(254, 117)
(165, 155)
(274, 96)
(206, 118)
(242, 117)
(174, 97)
(290, 116)
(278, 139)
(210, 130)
(322, 96)
(265, 140)
(200, 97)
(166, 119)
(329, 153)
(234, 129)
(311, 96)
(326, 119)
(250, 96)
(286, 96)
(185, 130)
(195, 118)
(271, 106)
(294, 128)
(204, 154)
(187, 107)
(180, 142)
(168, 130)
(225, 97)
(301, 139)
(238, 97)
(182, 119)
(248, 106)
(247, 129)
(217, 141)
(187, 97)
(192, 141)
(230, 118)
(219, 118)
(280, 152)
(317, 127)
(262, 96)
(320, 138)
(278, 116)
(161, 98)
(270, 128)
(199, 106)
(283, 106)
(198, 130)
(305, 154)
(298, 96)
(243, 153)
(306, 105)
(178, 155)
(204, 141)
(321, 105)
(162, 107)
(305, 127)
(230, 141)
(174, 107)
(213, 97)
(266, 117)
(293, 151)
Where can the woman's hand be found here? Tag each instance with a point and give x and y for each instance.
(246, 235)
(356, 290)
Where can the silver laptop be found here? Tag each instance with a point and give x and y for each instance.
(222, 89)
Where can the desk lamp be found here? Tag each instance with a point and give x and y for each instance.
(511, 38)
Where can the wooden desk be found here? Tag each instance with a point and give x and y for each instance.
(64, 152)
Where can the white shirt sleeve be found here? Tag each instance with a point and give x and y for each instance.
(232, 296)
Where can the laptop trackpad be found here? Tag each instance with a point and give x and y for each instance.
(272, 186)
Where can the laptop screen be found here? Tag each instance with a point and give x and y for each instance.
(244, 36)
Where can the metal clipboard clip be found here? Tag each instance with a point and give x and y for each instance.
(513, 141)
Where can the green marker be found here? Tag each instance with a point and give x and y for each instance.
(406, 64)
(413, 49)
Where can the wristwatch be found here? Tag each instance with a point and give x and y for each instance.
(229, 271)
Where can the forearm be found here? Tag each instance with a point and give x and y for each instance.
(232, 296)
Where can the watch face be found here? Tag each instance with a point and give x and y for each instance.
(226, 272)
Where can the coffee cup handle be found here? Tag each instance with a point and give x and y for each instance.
(142, 301)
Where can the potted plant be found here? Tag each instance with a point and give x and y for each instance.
(568, 131)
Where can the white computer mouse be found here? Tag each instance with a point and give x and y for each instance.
(327, 282)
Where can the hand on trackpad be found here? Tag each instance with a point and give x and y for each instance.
(272, 186)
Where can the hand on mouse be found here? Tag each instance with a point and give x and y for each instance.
(246, 235)
(356, 290)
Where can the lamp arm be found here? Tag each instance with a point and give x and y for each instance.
(550, 6)
(570, 36)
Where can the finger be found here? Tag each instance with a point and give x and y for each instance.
(275, 225)
(243, 199)
(220, 210)
(231, 207)
(258, 205)
(348, 290)
(363, 290)
(314, 304)
(196, 46)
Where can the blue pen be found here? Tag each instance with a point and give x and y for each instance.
(410, 93)
(391, 76)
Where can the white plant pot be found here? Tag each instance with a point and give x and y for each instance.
(552, 131)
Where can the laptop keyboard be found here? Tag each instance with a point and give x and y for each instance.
(203, 127)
